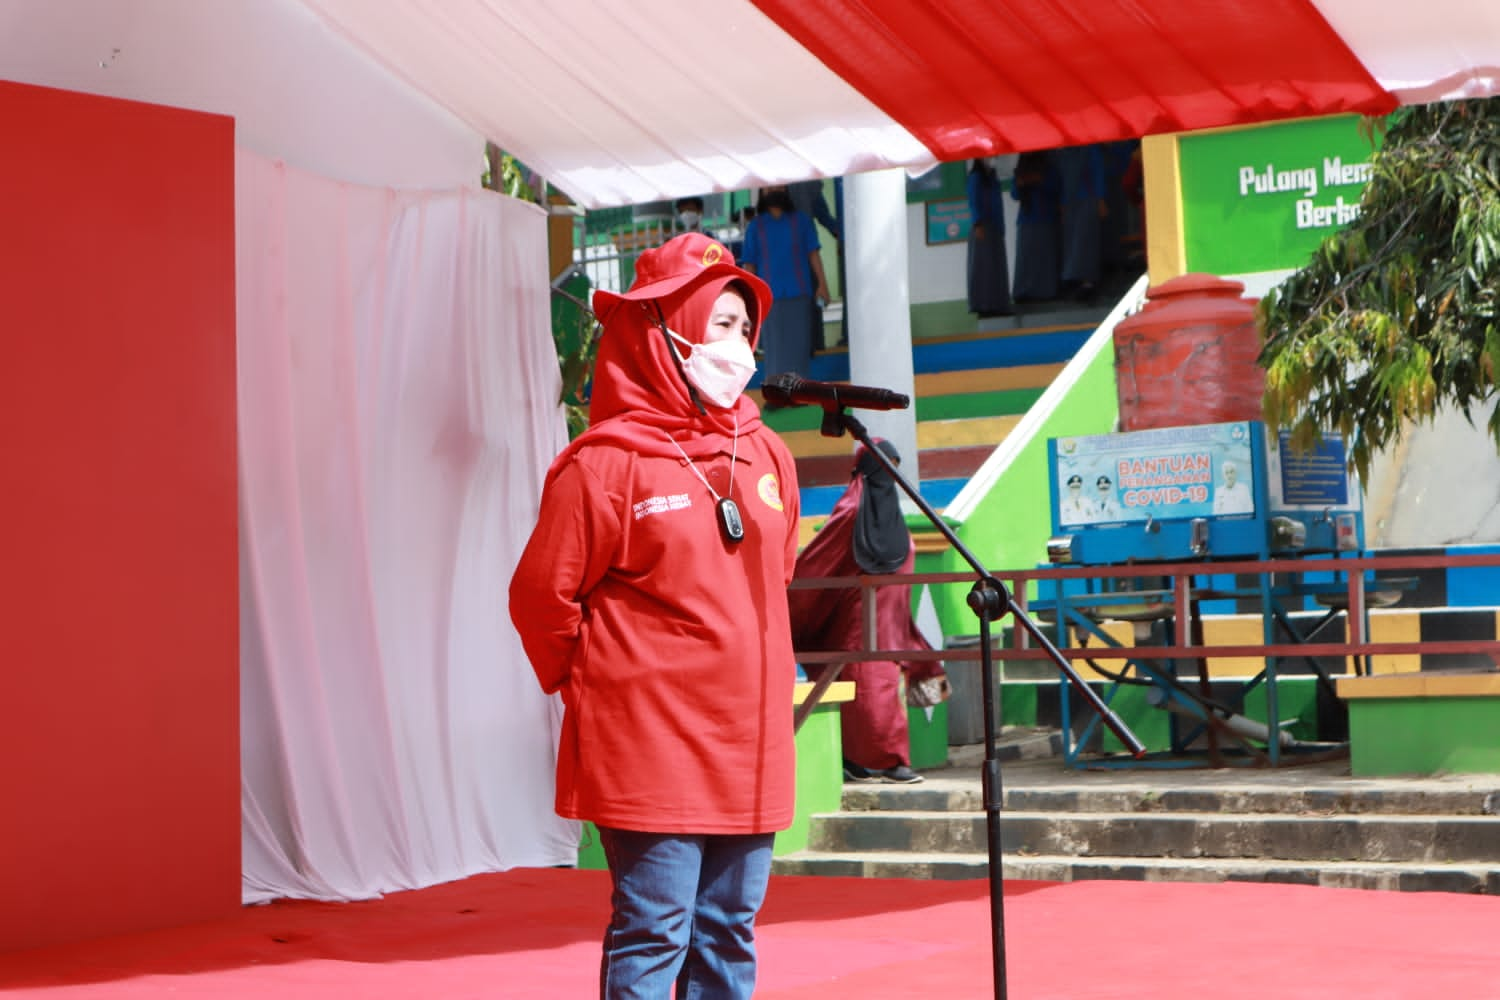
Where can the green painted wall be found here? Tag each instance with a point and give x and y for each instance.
(1151, 725)
(820, 775)
(1017, 703)
(1297, 697)
(590, 854)
(1390, 736)
(962, 405)
(928, 738)
(940, 319)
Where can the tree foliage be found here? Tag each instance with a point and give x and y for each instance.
(506, 174)
(576, 333)
(574, 330)
(1395, 316)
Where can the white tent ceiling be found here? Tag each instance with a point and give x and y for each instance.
(620, 103)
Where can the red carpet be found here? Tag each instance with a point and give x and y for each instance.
(535, 933)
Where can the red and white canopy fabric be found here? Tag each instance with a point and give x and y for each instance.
(626, 101)
(620, 103)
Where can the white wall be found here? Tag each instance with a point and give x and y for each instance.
(940, 273)
(1410, 500)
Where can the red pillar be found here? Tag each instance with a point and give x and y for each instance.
(119, 730)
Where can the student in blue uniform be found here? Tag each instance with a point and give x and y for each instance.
(989, 269)
(1037, 189)
(781, 247)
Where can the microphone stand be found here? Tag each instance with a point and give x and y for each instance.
(989, 600)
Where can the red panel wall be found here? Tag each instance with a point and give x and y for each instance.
(119, 746)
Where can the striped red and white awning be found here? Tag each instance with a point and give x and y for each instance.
(621, 103)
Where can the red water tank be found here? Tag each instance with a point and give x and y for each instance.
(1188, 357)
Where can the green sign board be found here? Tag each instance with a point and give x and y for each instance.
(1262, 199)
(942, 182)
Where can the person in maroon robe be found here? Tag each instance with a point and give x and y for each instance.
(867, 534)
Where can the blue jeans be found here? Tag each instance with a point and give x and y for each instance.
(684, 913)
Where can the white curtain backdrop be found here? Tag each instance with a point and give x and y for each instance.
(398, 386)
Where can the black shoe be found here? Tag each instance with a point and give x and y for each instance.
(858, 775)
(898, 775)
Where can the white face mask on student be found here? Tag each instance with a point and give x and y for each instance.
(690, 220)
(719, 370)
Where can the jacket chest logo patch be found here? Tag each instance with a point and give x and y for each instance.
(770, 491)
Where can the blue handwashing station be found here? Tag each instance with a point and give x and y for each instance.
(1186, 498)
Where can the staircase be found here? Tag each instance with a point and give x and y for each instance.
(1308, 824)
(971, 390)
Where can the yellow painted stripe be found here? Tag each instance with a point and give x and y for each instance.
(807, 527)
(927, 541)
(837, 691)
(930, 434)
(1249, 630)
(1166, 248)
(930, 541)
(1234, 630)
(1395, 626)
(965, 433)
(1121, 632)
(987, 379)
(1238, 630)
(1421, 686)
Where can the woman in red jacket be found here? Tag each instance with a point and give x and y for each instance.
(652, 595)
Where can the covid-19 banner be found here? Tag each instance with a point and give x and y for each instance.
(1169, 472)
(1263, 198)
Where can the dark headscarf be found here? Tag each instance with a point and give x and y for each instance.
(881, 538)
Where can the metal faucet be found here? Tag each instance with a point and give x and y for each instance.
(1199, 536)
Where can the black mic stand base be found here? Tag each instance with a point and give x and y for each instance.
(989, 600)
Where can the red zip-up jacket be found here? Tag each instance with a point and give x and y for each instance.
(671, 646)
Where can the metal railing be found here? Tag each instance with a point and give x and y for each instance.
(1357, 572)
(607, 256)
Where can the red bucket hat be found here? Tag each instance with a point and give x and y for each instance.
(681, 264)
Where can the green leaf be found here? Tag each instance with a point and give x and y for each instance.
(1397, 314)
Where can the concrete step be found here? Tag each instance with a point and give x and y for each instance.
(1160, 836)
(1406, 877)
(884, 864)
(952, 791)
(1313, 823)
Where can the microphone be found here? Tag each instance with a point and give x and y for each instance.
(791, 389)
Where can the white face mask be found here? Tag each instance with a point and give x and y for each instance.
(690, 220)
(719, 370)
